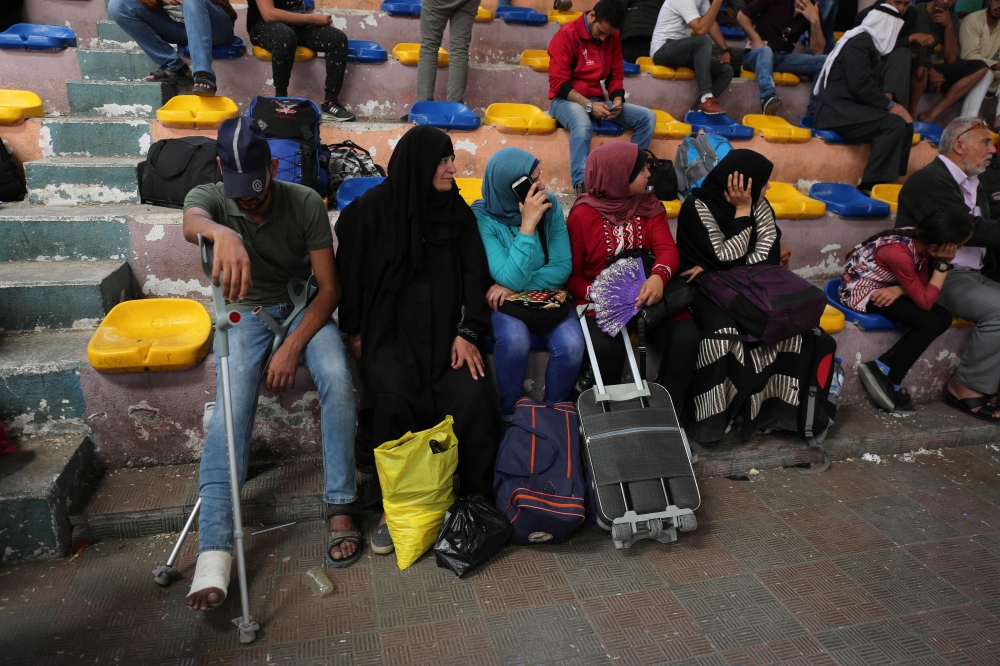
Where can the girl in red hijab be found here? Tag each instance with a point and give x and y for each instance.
(614, 215)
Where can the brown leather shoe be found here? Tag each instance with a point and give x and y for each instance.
(711, 107)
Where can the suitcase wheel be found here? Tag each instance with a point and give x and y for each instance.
(621, 532)
(687, 522)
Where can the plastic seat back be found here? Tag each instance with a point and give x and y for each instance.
(863, 320)
(408, 54)
(302, 54)
(233, 50)
(365, 51)
(352, 188)
(471, 189)
(827, 135)
(888, 193)
(930, 131)
(606, 127)
(536, 59)
(562, 18)
(16, 105)
(790, 204)
(848, 201)
(33, 37)
(445, 115)
(519, 119)
(402, 9)
(668, 127)
(720, 124)
(776, 128)
(520, 15)
(196, 112)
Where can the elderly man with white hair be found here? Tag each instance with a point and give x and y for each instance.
(951, 183)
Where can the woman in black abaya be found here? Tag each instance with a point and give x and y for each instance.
(415, 276)
(727, 222)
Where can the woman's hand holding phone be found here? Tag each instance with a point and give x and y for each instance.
(533, 208)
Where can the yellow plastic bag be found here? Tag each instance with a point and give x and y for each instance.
(417, 487)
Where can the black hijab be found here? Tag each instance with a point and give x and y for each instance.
(697, 239)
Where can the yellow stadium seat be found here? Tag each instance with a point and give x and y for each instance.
(562, 18)
(832, 320)
(916, 139)
(780, 78)
(519, 119)
(536, 59)
(151, 335)
(16, 105)
(776, 128)
(837, 35)
(667, 127)
(683, 74)
(673, 207)
(471, 188)
(889, 193)
(484, 14)
(790, 204)
(961, 323)
(409, 54)
(656, 71)
(302, 54)
(996, 137)
(195, 112)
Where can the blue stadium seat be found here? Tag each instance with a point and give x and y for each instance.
(396, 8)
(631, 69)
(606, 127)
(32, 37)
(352, 188)
(866, 322)
(231, 51)
(520, 15)
(827, 135)
(731, 32)
(361, 50)
(930, 131)
(309, 4)
(848, 201)
(445, 115)
(720, 124)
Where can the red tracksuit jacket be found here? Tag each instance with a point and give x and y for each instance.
(578, 61)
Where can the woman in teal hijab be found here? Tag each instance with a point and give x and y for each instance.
(527, 247)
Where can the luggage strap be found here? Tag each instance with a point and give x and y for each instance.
(815, 441)
(617, 392)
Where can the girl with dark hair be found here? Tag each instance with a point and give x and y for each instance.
(415, 275)
(888, 274)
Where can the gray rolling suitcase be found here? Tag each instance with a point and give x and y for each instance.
(637, 455)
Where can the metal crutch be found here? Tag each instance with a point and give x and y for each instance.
(247, 626)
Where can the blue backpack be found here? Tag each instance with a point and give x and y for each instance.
(291, 125)
(539, 479)
(696, 156)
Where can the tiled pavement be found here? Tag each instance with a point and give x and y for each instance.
(865, 564)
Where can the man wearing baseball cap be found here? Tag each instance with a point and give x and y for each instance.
(266, 231)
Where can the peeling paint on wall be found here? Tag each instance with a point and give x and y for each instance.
(154, 286)
(830, 266)
(69, 194)
(86, 323)
(120, 110)
(145, 141)
(155, 233)
(467, 145)
(45, 141)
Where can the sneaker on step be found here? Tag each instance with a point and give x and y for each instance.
(771, 105)
(879, 388)
(711, 107)
(904, 404)
(336, 113)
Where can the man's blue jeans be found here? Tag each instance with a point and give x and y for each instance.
(327, 362)
(764, 62)
(512, 342)
(204, 24)
(574, 117)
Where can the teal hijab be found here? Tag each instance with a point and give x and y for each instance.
(499, 201)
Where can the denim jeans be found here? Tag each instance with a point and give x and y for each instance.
(574, 118)
(326, 360)
(764, 62)
(204, 24)
(512, 342)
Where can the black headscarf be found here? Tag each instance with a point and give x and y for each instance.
(694, 230)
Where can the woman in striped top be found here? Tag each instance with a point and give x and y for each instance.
(898, 273)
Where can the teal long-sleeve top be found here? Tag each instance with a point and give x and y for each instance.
(517, 261)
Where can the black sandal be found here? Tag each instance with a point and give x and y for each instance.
(182, 75)
(204, 85)
(338, 537)
(988, 411)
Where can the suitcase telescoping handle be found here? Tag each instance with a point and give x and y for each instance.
(618, 392)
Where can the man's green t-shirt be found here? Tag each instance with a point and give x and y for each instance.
(279, 245)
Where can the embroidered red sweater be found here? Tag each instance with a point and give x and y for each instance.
(595, 242)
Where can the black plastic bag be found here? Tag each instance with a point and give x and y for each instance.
(473, 531)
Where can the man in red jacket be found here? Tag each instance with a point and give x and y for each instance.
(584, 54)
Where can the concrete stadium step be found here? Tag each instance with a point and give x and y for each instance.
(82, 180)
(61, 294)
(38, 486)
(109, 65)
(116, 99)
(49, 233)
(111, 36)
(91, 137)
(40, 390)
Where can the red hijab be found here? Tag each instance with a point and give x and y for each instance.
(606, 182)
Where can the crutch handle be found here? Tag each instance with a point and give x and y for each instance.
(223, 320)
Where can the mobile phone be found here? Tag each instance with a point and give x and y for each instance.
(521, 187)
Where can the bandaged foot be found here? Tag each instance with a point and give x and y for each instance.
(211, 580)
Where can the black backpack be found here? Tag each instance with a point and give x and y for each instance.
(291, 125)
(662, 177)
(173, 167)
(349, 160)
(11, 186)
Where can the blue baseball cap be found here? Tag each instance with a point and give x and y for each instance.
(244, 156)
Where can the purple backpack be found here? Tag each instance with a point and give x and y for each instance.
(770, 302)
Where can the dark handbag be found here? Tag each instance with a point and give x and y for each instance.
(662, 177)
(541, 310)
(677, 294)
(473, 531)
(173, 167)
